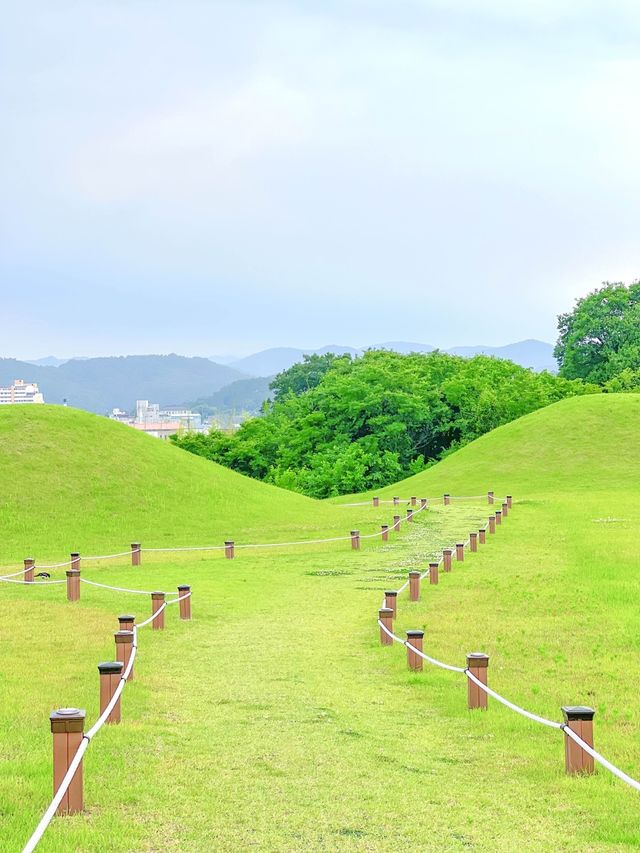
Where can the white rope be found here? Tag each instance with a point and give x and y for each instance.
(120, 588)
(600, 758)
(31, 583)
(551, 723)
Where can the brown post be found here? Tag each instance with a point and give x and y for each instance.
(473, 541)
(73, 585)
(498, 516)
(229, 549)
(385, 615)
(446, 559)
(482, 535)
(447, 500)
(110, 677)
(505, 509)
(355, 540)
(414, 641)
(185, 604)
(396, 501)
(580, 720)
(126, 622)
(509, 501)
(157, 600)
(29, 563)
(124, 648)
(477, 664)
(409, 514)
(67, 728)
(489, 497)
(376, 501)
(75, 560)
(136, 553)
(391, 600)
(396, 522)
(414, 586)
(414, 501)
(459, 551)
(423, 503)
(492, 524)
(385, 532)
(433, 572)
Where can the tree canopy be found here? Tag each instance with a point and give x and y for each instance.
(599, 341)
(348, 425)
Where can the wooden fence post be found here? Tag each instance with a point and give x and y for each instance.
(67, 728)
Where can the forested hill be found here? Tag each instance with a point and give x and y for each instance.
(100, 384)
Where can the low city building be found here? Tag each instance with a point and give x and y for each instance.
(160, 423)
(21, 392)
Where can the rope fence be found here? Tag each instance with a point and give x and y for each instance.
(230, 546)
(69, 722)
(578, 720)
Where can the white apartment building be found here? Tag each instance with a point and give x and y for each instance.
(21, 392)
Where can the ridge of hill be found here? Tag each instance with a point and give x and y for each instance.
(101, 384)
(537, 355)
(71, 479)
(589, 443)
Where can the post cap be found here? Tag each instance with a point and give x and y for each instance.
(415, 633)
(577, 712)
(391, 592)
(157, 595)
(447, 495)
(385, 611)
(126, 617)
(414, 574)
(228, 541)
(67, 720)
(396, 498)
(473, 533)
(498, 512)
(123, 637)
(492, 517)
(447, 550)
(110, 667)
(477, 659)
(509, 496)
(74, 554)
(355, 533)
(385, 526)
(135, 544)
(433, 565)
(73, 573)
(459, 544)
(183, 587)
(29, 559)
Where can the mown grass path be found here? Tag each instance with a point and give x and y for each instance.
(275, 721)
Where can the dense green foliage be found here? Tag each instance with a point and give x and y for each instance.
(342, 425)
(599, 340)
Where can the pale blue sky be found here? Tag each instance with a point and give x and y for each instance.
(205, 177)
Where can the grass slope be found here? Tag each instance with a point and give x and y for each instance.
(275, 721)
(70, 480)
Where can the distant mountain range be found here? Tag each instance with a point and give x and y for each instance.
(531, 353)
(101, 384)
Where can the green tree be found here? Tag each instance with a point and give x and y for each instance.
(600, 338)
(342, 425)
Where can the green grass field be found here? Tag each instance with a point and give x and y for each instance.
(275, 720)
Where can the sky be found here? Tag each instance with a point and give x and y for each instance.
(209, 177)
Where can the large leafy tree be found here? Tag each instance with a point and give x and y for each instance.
(356, 424)
(600, 338)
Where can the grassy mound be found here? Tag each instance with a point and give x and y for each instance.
(73, 480)
(580, 444)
